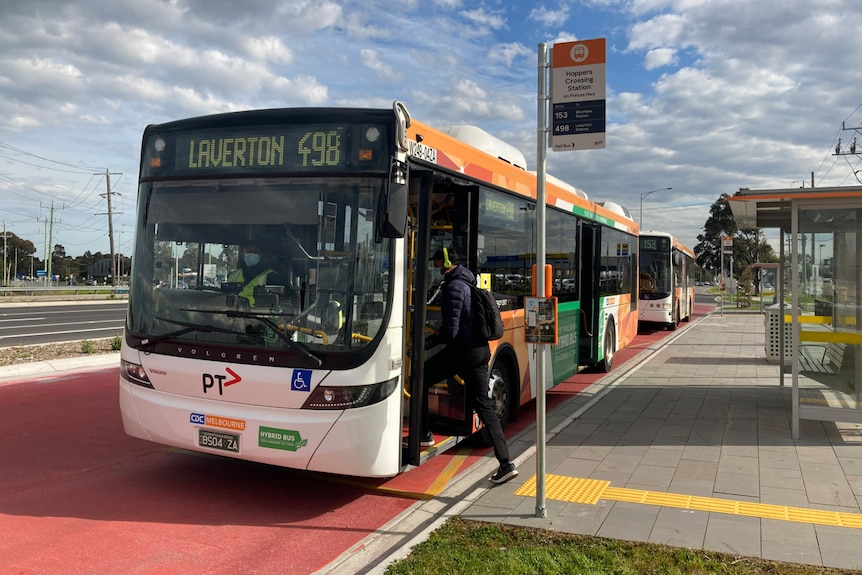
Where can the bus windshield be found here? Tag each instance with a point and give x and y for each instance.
(321, 285)
(655, 272)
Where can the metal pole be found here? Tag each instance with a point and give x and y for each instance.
(643, 195)
(539, 350)
(779, 290)
(111, 229)
(730, 283)
(721, 276)
(5, 273)
(794, 306)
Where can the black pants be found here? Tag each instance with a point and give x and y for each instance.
(472, 365)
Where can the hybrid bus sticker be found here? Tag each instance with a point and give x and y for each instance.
(284, 439)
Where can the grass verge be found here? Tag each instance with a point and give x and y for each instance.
(471, 547)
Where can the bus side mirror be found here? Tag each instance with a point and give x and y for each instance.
(391, 221)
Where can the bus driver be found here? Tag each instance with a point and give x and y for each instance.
(253, 271)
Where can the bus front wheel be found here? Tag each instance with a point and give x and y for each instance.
(675, 321)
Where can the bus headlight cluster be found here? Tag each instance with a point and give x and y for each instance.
(134, 373)
(348, 397)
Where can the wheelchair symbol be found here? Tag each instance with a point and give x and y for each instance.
(301, 380)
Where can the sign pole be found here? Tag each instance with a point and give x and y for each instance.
(577, 99)
(539, 350)
(721, 282)
(724, 286)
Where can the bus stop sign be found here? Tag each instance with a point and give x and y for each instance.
(578, 95)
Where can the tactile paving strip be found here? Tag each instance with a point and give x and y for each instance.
(576, 490)
(561, 488)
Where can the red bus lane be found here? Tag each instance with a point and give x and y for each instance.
(77, 495)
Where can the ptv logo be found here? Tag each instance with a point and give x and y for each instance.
(210, 380)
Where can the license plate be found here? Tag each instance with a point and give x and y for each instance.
(218, 440)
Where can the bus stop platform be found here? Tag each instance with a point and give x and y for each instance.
(691, 446)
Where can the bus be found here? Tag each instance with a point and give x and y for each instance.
(321, 369)
(666, 291)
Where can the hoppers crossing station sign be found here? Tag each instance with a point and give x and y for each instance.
(578, 95)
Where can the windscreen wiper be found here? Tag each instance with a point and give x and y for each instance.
(187, 328)
(264, 319)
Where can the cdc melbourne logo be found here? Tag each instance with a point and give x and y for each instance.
(197, 418)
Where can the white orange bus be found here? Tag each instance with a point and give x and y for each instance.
(313, 372)
(666, 293)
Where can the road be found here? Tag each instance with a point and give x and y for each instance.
(38, 323)
(82, 497)
(702, 295)
(32, 324)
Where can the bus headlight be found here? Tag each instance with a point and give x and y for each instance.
(134, 373)
(348, 397)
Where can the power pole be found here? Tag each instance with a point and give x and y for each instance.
(5, 268)
(45, 248)
(849, 150)
(107, 196)
(49, 238)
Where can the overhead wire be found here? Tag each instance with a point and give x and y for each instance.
(80, 204)
(83, 169)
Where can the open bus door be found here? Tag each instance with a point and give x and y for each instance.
(444, 214)
(589, 248)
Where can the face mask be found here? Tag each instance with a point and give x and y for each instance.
(251, 260)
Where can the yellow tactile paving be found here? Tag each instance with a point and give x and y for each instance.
(561, 488)
(577, 490)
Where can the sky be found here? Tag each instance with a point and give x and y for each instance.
(703, 96)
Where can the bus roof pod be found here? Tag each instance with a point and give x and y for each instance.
(565, 185)
(616, 208)
(479, 138)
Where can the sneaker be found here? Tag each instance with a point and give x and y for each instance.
(427, 439)
(504, 474)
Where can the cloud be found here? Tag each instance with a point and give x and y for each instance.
(660, 57)
(371, 60)
(467, 102)
(703, 95)
(550, 18)
(494, 20)
(506, 54)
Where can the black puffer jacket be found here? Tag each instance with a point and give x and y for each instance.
(457, 310)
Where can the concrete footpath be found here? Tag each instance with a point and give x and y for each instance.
(59, 366)
(689, 444)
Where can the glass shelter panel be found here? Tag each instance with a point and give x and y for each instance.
(830, 341)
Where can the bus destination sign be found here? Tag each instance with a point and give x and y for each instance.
(304, 148)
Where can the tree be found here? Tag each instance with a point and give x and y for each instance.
(17, 254)
(720, 223)
(60, 262)
(749, 244)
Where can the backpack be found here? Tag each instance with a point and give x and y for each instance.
(487, 322)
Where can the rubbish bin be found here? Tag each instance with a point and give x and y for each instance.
(772, 324)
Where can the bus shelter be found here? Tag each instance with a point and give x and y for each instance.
(824, 271)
